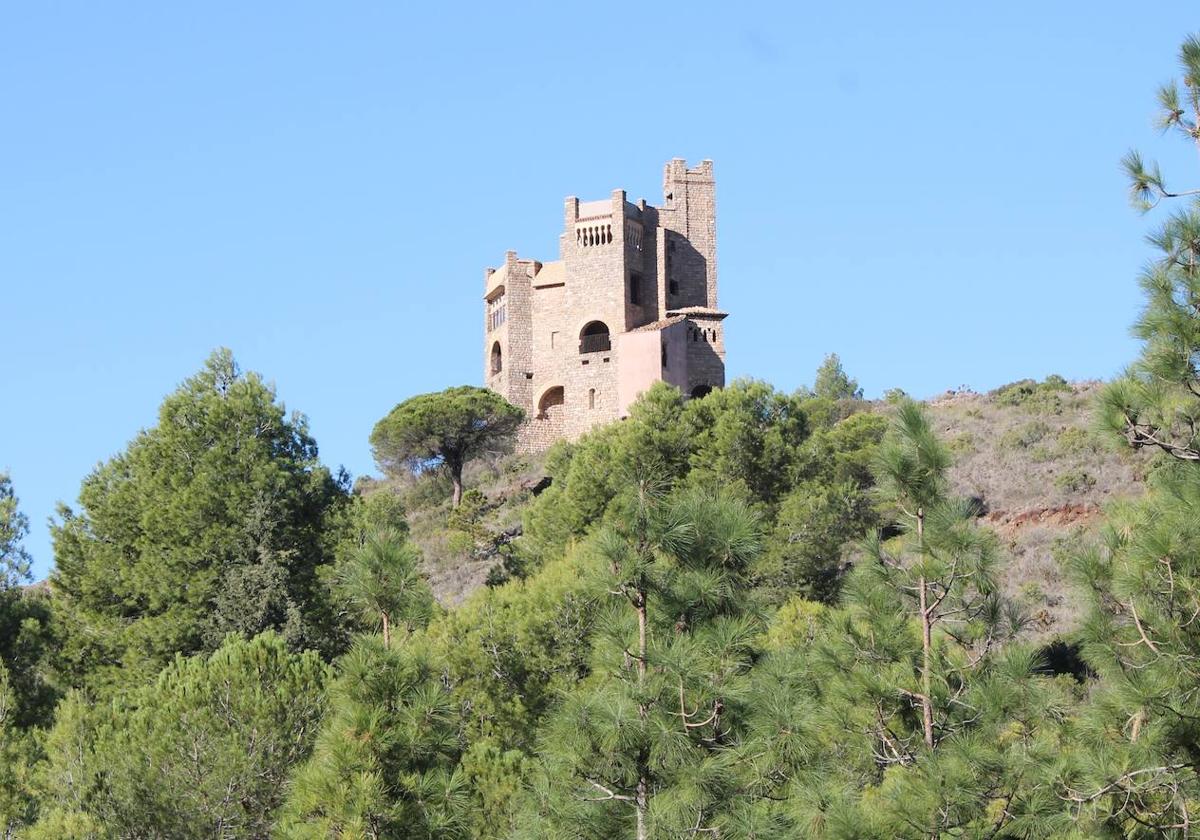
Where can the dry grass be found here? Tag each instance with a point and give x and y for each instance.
(455, 562)
(1043, 476)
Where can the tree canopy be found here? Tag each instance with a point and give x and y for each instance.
(832, 382)
(215, 520)
(14, 527)
(444, 430)
(204, 751)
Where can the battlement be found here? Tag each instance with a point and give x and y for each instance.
(630, 301)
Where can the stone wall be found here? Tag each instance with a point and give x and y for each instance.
(617, 263)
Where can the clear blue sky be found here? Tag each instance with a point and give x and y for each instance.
(929, 189)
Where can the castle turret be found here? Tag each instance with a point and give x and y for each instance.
(631, 301)
(689, 218)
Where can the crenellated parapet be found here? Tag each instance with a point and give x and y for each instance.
(631, 300)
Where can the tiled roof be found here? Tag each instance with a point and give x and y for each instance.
(697, 310)
(660, 325)
(551, 273)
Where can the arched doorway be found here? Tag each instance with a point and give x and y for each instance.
(551, 403)
(497, 358)
(550, 420)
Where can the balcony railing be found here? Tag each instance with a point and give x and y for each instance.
(595, 343)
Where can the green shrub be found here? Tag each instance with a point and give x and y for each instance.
(1073, 481)
(1076, 441)
(1024, 436)
(962, 444)
(1032, 592)
(1042, 454)
(1040, 398)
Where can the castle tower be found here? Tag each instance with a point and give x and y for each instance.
(631, 300)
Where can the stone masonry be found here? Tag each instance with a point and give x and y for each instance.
(632, 300)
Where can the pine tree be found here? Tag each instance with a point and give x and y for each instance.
(901, 713)
(14, 527)
(832, 382)
(943, 563)
(385, 761)
(643, 747)
(1135, 773)
(444, 431)
(1137, 766)
(204, 751)
(215, 520)
(1157, 403)
(381, 580)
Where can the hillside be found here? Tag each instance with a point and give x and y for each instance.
(1029, 454)
(460, 548)
(1025, 451)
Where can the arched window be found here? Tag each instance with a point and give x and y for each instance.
(594, 338)
(497, 358)
(701, 391)
(591, 397)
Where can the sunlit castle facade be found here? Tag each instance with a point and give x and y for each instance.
(631, 300)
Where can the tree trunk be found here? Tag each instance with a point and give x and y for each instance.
(926, 656)
(641, 617)
(640, 805)
(387, 636)
(456, 480)
(926, 639)
(642, 800)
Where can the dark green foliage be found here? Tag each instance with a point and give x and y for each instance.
(747, 436)
(587, 475)
(832, 383)
(18, 753)
(444, 431)
(215, 520)
(381, 581)
(27, 641)
(1037, 397)
(643, 746)
(1135, 773)
(815, 524)
(828, 508)
(27, 644)
(204, 751)
(385, 762)
(902, 713)
(836, 747)
(27, 650)
(510, 651)
(1141, 635)
(808, 477)
(14, 527)
(744, 437)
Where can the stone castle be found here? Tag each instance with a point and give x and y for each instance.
(631, 300)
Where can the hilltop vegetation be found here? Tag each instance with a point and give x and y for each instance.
(749, 615)
(661, 602)
(1028, 452)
